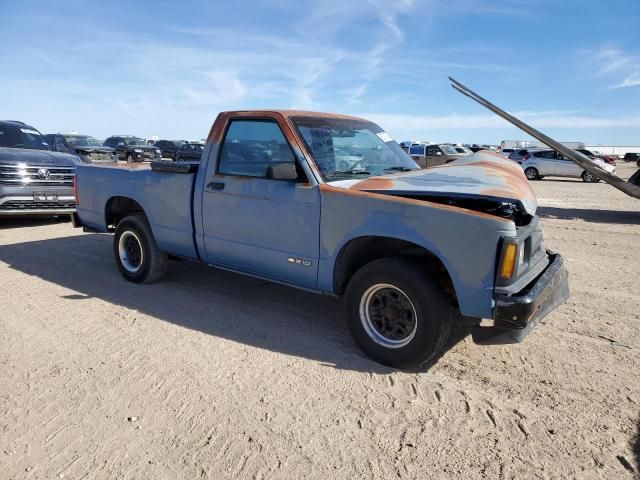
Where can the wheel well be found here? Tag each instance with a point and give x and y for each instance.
(119, 207)
(362, 250)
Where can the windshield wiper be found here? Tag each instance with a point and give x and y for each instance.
(399, 169)
(341, 173)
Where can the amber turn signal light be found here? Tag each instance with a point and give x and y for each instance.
(509, 256)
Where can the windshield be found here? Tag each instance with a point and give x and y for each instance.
(134, 141)
(344, 148)
(448, 149)
(12, 136)
(82, 141)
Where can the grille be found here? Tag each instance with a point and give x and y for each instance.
(149, 154)
(31, 205)
(29, 175)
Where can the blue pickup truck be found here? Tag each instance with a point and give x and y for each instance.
(411, 251)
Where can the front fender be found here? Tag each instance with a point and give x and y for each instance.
(464, 241)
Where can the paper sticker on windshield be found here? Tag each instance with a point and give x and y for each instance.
(28, 130)
(385, 137)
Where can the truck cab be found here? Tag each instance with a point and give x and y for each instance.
(411, 251)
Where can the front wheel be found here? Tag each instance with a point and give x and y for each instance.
(532, 173)
(136, 253)
(130, 158)
(589, 177)
(397, 313)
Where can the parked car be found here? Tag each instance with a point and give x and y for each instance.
(87, 148)
(632, 157)
(541, 163)
(189, 152)
(410, 250)
(519, 154)
(590, 154)
(132, 149)
(463, 150)
(406, 145)
(507, 151)
(169, 148)
(34, 180)
(432, 154)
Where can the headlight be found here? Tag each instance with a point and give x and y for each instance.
(157, 152)
(137, 150)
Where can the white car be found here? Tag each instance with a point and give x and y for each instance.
(543, 163)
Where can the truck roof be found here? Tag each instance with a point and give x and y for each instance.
(296, 113)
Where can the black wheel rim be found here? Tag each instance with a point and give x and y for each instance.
(388, 316)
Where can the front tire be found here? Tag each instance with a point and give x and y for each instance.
(532, 173)
(136, 253)
(589, 177)
(130, 158)
(397, 313)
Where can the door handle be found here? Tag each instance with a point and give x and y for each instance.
(215, 186)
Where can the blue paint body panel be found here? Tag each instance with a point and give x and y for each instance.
(293, 233)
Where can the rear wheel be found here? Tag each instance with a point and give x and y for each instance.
(397, 313)
(136, 253)
(589, 177)
(532, 173)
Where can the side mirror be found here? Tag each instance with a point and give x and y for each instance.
(282, 171)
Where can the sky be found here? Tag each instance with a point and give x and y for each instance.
(571, 67)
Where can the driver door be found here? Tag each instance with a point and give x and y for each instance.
(253, 222)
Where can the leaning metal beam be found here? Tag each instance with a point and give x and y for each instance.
(577, 157)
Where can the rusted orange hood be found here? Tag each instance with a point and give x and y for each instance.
(481, 175)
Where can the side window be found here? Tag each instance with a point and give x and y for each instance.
(432, 151)
(416, 150)
(60, 144)
(251, 146)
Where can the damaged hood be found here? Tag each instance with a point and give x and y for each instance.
(483, 176)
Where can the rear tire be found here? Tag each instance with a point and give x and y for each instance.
(532, 173)
(589, 177)
(136, 253)
(397, 313)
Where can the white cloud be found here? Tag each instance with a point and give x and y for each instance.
(632, 80)
(613, 62)
(220, 88)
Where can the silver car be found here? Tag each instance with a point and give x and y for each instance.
(542, 163)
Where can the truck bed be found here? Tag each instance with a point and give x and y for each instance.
(164, 192)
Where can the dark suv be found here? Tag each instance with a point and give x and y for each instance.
(132, 149)
(190, 151)
(632, 157)
(87, 148)
(168, 148)
(33, 179)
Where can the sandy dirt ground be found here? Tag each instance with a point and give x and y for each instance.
(213, 375)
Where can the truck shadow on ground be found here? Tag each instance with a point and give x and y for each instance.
(591, 215)
(212, 301)
(31, 221)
